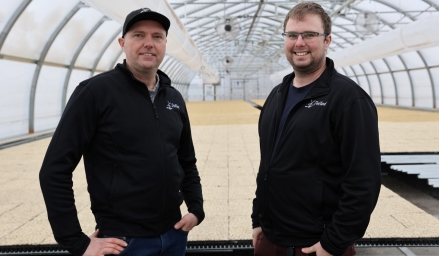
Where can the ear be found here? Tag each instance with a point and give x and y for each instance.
(121, 42)
(328, 41)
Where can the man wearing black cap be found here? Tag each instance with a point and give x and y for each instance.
(132, 129)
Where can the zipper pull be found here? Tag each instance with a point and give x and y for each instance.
(266, 172)
(155, 111)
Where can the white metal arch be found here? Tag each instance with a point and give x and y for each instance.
(257, 50)
(40, 63)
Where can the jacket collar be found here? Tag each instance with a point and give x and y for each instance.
(164, 79)
(322, 83)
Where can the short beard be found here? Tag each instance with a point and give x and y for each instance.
(308, 69)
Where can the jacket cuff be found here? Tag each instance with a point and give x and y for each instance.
(329, 247)
(80, 247)
(255, 223)
(199, 215)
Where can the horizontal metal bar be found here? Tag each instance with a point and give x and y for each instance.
(25, 139)
(226, 246)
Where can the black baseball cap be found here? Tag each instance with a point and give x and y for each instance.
(145, 14)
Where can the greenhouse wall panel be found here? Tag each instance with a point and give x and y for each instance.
(15, 78)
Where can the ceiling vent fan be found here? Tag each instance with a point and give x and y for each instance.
(227, 61)
(228, 28)
(367, 23)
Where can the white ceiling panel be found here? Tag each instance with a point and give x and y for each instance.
(72, 35)
(34, 27)
(94, 45)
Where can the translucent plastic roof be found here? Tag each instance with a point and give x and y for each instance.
(48, 46)
(259, 44)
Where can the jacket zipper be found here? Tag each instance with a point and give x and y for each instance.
(265, 188)
(274, 138)
(163, 154)
(155, 111)
(161, 146)
(272, 145)
(266, 172)
(267, 169)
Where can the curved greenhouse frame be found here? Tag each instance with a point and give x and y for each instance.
(47, 47)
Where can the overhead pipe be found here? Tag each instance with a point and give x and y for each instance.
(411, 37)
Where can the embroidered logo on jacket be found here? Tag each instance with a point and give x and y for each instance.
(171, 106)
(315, 103)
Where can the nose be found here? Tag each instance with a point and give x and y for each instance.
(147, 41)
(300, 41)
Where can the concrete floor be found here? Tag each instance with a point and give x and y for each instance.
(396, 251)
(415, 196)
(422, 200)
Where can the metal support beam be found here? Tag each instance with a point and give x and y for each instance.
(12, 21)
(337, 12)
(75, 57)
(355, 73)
(101, 53)
(410, 80)
(40, 63)
(254, 19)
(379, 80)
(179, 77)
(394, 81)
(171, 69)
(164, 63)
(116, 57)
(183, 75)
(433, 91)
(368, 81)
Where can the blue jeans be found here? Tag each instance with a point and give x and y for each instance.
(171, 243)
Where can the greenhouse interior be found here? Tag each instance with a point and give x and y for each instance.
(224, 57)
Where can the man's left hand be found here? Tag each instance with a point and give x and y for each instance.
(187, 222)
(318, 249)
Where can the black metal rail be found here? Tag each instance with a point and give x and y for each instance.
(234, 247)
(25, 139)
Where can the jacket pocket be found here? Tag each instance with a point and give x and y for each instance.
(319, 205)
(137, 190)
(114, 186)
(294, 202)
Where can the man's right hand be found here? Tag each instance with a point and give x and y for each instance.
(104, 246)
(256, 234)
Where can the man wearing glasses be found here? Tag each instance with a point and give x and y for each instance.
(319, 176)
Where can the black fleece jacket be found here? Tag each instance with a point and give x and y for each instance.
(138, 155)
(323, 182)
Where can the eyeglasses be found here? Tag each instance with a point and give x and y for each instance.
(306, 36)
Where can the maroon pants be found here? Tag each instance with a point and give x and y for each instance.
(264, 247)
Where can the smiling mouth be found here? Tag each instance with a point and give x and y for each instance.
(301, 53)
(147, 54)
